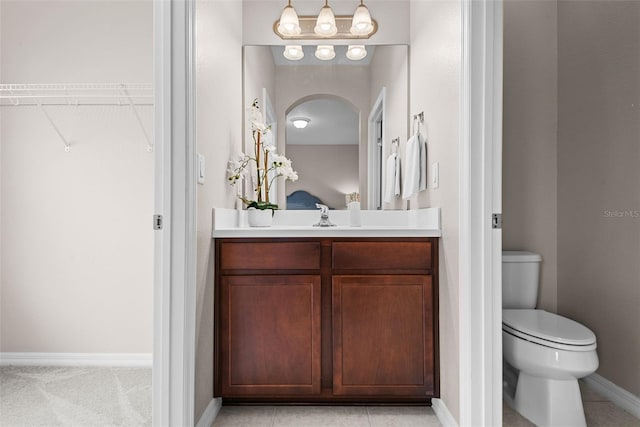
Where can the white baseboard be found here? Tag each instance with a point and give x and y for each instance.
(209, 415)
(619, 396)
(443, 414)
(142, 360)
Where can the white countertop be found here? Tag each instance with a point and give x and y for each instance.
(230, 223)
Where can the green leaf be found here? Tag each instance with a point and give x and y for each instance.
(259, 205)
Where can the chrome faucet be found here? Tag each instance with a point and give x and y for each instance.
(324, 216)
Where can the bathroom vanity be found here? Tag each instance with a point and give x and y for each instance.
(318, 316)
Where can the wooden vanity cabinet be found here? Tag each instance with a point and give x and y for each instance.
(384, 315)
(270, 318)
(331, 320)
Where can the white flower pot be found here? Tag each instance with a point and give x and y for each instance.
(260, 217)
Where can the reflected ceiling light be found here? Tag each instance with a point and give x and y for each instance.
(326, 22)
(325, 52)
(293, 52)
(356, 52)
(300, 122)
(361, 24)
(289, 25)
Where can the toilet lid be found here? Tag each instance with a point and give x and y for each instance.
(548, 329)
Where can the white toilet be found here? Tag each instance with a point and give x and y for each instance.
(545, 354)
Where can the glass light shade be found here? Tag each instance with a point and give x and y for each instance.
(293, 52)
(326, 23)
(289, 24)
(300, 122)
(356, 52)
(361, 23)
(325, 52)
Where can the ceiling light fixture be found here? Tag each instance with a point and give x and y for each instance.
(293, 52)
(361, 24)
(325, 52)
(326, 22)
(289, 24)
(300, 122)
(356, 52)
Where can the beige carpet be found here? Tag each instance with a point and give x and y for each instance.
(82, 397)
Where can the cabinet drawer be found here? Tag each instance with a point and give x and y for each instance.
(270, 255)
(382, 255)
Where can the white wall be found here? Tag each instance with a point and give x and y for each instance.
(599, 177)
(435, 73)
(530, 137)
(259, 71)
(389, 69)
(77, 243)
(219, 133)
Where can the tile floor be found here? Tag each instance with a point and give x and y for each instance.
(326, 416)
(599, 413)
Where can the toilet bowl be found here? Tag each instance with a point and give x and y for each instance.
(547, 390)
(545, 353)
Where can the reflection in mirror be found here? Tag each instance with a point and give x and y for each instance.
(341, 148)
(326, 149)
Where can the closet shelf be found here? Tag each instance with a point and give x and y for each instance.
(86, 94)
(76, 95)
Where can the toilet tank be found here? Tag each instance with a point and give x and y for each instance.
(520, 279)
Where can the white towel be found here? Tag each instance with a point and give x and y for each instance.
(423, 163)
(396, 191)
(392, 180)
(415, 177)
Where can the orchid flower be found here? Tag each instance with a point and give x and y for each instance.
(268, 164)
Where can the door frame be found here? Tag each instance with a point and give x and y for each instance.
(174, 194)
(375, 154)
(480, 195)
(480, 187)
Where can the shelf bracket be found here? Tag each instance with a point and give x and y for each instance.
(67, 145)
(138, 119)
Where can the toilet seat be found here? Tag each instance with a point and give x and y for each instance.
(548, 329)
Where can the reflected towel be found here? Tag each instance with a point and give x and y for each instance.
(392, 179)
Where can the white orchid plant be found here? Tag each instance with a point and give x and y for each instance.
(268, 164)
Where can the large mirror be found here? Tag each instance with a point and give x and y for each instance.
(335, 119)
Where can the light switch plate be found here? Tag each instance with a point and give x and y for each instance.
(435, 175)
(200, 169)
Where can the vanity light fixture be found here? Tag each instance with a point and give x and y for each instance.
(293, 52)
(326, 22)
(361, 24)
(325, 52)
(356, 52)
(300, 122)
(325, 25)
(289, 24)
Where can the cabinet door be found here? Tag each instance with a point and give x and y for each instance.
(270, 332)
(383, 336)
